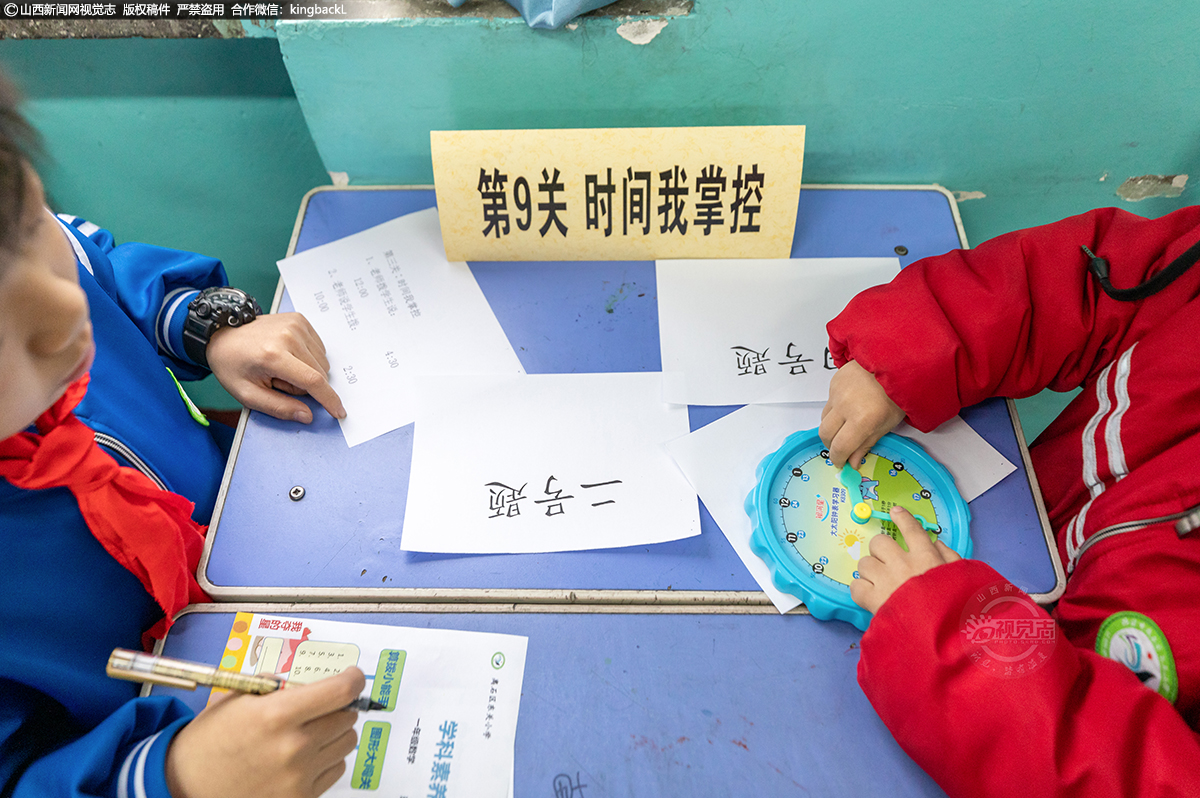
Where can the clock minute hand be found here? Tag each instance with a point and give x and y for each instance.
(862, 512)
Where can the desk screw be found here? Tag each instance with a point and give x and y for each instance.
(296, 493)
(901, 250)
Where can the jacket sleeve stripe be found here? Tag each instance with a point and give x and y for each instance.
(127, 766)
(172, 302)
(1075, 535)
(1112, 429)
(1112, 442)
(139, 770)
(75, 245)
(1091, 464)
(1091, 468)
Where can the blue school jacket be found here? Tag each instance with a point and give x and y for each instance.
(65, 727)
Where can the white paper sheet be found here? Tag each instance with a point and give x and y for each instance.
(546, 462)
(720, 461)
(973, 462)
(452, 697)
(749, 331)
(388, 306)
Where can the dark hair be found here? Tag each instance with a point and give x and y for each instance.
(18, 140)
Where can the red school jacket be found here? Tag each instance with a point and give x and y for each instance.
(1109, 702)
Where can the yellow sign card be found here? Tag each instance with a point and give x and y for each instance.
(618, 194)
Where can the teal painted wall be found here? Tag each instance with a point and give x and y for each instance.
(201, 144)
(194, 144)
(1043, 107)
(1029, 103)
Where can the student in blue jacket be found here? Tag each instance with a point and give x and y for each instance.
(108, 474)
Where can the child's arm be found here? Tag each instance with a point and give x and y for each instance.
(1060, 721)
(289, 743)
(858, 413)
(152, 285)
(41, 754)
(260, 364)
(1018, 314)
(264, 364)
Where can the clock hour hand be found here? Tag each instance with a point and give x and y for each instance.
(852, 482)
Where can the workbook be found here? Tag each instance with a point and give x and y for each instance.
(450, 698)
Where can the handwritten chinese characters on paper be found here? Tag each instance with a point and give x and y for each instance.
(504, 500)
(751, 362)
(749, 331)
(545, 462)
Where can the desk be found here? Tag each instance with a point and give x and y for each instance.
(654, 670)
(342, 541)
(662, 705)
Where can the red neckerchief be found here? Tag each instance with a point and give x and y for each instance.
(148, 530)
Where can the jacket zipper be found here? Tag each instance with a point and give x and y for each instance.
(109, 442)
(1127, 526)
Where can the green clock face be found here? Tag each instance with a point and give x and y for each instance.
(813, 518)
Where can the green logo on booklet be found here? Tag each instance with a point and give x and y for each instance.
(1136, 642)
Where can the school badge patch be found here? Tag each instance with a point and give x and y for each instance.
(1136, 642)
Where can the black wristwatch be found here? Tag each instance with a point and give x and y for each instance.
(213, 309)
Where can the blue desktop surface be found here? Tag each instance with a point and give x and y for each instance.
(634, 706)
(342, 541)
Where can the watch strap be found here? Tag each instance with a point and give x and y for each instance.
(196, 333)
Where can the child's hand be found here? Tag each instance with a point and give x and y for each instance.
(888, 566)
(279, 354)
(289, 744)
(857, 414)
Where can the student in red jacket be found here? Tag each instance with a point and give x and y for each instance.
(1102, 696)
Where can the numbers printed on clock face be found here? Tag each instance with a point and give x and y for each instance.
(811, 511)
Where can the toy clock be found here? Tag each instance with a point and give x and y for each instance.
(812, 522)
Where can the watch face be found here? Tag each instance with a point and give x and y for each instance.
(230, 296)
(225, 306)
(812, 522)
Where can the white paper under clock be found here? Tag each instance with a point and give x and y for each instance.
(546, 462)
(388, 306)
(750, 331)
(720, 459)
